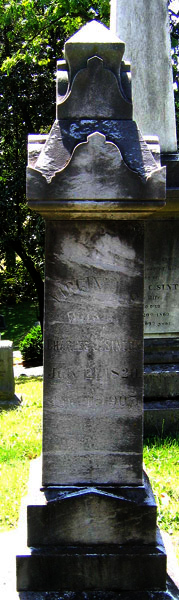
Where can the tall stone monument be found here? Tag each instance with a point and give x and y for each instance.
(94, 180)
(144, 27)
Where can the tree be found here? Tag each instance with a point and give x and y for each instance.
(32, 36)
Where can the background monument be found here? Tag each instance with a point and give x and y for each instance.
(144, 27)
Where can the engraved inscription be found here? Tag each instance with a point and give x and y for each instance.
(77, 318)
(92, 373)
(94, 402)
(79, 286)
(160, 308)
(104, 345)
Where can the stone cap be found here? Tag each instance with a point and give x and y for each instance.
(6, 344)
(93, 39)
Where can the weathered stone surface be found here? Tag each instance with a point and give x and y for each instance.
(93, 516)
(91, 40)
(7, 387)
(161, 350)
(96, 171)
(144, 28)
(93, 354)
(161, 381)
(161, 417)
(161, 316)
(94, 93)
(103, 537)
(75, 568)
(141, 156)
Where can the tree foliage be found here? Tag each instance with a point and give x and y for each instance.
(32, 36)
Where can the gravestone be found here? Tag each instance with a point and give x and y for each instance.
(151, 70)
(7, 386)
(93, 524)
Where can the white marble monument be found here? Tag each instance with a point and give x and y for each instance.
(144, 27)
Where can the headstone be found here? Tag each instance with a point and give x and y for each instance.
(144, 27)
(7, 387)
(93, 525)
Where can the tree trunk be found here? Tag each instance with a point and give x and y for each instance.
(34, 273)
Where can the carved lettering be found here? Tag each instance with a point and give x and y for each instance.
(112, 402)
(77, 318)
(56, 345)
(76, 287)
(163, 286)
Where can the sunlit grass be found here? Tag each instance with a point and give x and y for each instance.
(20, 442)
(161, 458)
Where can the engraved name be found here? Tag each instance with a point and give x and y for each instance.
(56, 345)
(163, 286)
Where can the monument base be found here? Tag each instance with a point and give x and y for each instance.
(161, 386)
(99, 568)
(64, 525)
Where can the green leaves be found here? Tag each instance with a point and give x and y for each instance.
(29, 26)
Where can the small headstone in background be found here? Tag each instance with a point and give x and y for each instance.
(7, 386)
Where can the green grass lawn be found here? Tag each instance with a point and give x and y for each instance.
(20, 435)
(20, 442)
(19, 319)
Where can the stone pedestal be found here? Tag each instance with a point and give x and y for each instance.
(93, 525)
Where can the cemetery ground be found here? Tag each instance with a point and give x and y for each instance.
(20, 442)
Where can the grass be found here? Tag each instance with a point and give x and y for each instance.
(19, 319)
(21, 442)
(161, 459)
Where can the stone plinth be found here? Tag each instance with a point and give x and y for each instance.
(7, 387)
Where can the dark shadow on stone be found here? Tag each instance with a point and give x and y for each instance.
(172, 593)
(11, 404)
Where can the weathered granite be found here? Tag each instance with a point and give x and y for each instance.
(74, 568)
(77, 516)
(141, 155)
(144, 27)
(100, 93)
(96, 171)
(7, 386)
(93, 346)
(161, 381)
